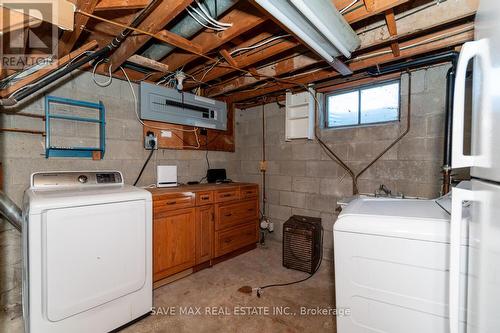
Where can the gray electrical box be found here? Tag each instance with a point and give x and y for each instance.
(169, 105)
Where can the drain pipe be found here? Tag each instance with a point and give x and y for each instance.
(33, 88)
(450, 91)
(401, 136)
(11, 212)
(451, 56)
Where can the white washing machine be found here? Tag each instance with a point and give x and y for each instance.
(392, 265)
(87, 243)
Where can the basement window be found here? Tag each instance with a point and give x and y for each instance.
(365, 105)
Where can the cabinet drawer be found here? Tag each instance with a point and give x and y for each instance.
(249, 191)
(235, 213)
(227, 195)
(232, 239)
(204, 198)
(172, 201)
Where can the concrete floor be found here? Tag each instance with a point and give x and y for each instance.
(215, 292)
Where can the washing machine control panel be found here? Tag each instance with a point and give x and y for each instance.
(75, 179)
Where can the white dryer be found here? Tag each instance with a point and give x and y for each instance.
(392, 266)
(87, 243)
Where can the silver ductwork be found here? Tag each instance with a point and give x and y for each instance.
(187, 27)
(11, 212)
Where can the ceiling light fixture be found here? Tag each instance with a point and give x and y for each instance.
(319, 25)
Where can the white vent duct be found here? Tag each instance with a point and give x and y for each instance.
(319, 25)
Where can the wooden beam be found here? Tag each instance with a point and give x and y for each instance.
(355, 80)
(361, 12)
(244, 19)
(165, 12)
(296, 61)
(230, 60)
(245, 60)
(104, 5)
(369, 4)
(180, 42)
(148, 63)
(425, 44)
(243, 81)
(48, 69)
(393, 30)
(69, 38)
(63, 18)
(268, 52)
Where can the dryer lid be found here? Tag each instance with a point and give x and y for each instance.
(402, 218)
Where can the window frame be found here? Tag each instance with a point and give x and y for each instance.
(359, 89)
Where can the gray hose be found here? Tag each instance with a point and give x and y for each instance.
(11, 212)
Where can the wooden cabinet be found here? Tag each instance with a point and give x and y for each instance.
(234, 238)
(173, 242)
(230, 214)
(195, 226)
(204, 233)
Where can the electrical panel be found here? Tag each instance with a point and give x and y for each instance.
(172, 106)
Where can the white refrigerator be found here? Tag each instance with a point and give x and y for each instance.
(482, 277)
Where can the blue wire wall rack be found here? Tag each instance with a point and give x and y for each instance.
(54, 151)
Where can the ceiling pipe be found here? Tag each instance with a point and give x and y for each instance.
(187, 28)
(33, 88)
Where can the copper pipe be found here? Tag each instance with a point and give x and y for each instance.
(328, 150)
(446, 180)
(263, 166)
(20, 130)
(30, 115)
(408, 122)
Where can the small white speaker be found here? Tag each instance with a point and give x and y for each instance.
(166, 175)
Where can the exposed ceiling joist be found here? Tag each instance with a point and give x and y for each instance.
(148, 63)
(424, 44)
(360, 11)
(243, 20)
(393, 30)
(165, 12)
(105, 5)
(245, 60)
(272, 51)
(69, 38)
(295, 62)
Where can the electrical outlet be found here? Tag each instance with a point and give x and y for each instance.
(263, 166)
(147, 141)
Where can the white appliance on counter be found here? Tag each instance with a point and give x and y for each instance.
(483, 278)
(391, 265)
(166, 175)
(87, 250)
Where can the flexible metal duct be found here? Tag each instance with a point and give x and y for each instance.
(11, 212)
(187, 27)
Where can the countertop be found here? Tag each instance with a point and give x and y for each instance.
(197, 187)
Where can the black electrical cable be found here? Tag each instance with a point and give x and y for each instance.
(259, 289)
(153, 144)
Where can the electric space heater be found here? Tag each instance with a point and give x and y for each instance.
(302, 243)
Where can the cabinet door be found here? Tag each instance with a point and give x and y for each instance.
(204, 233)
(173, 242)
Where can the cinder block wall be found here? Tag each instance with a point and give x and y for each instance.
(22, 154)
(302, 179)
